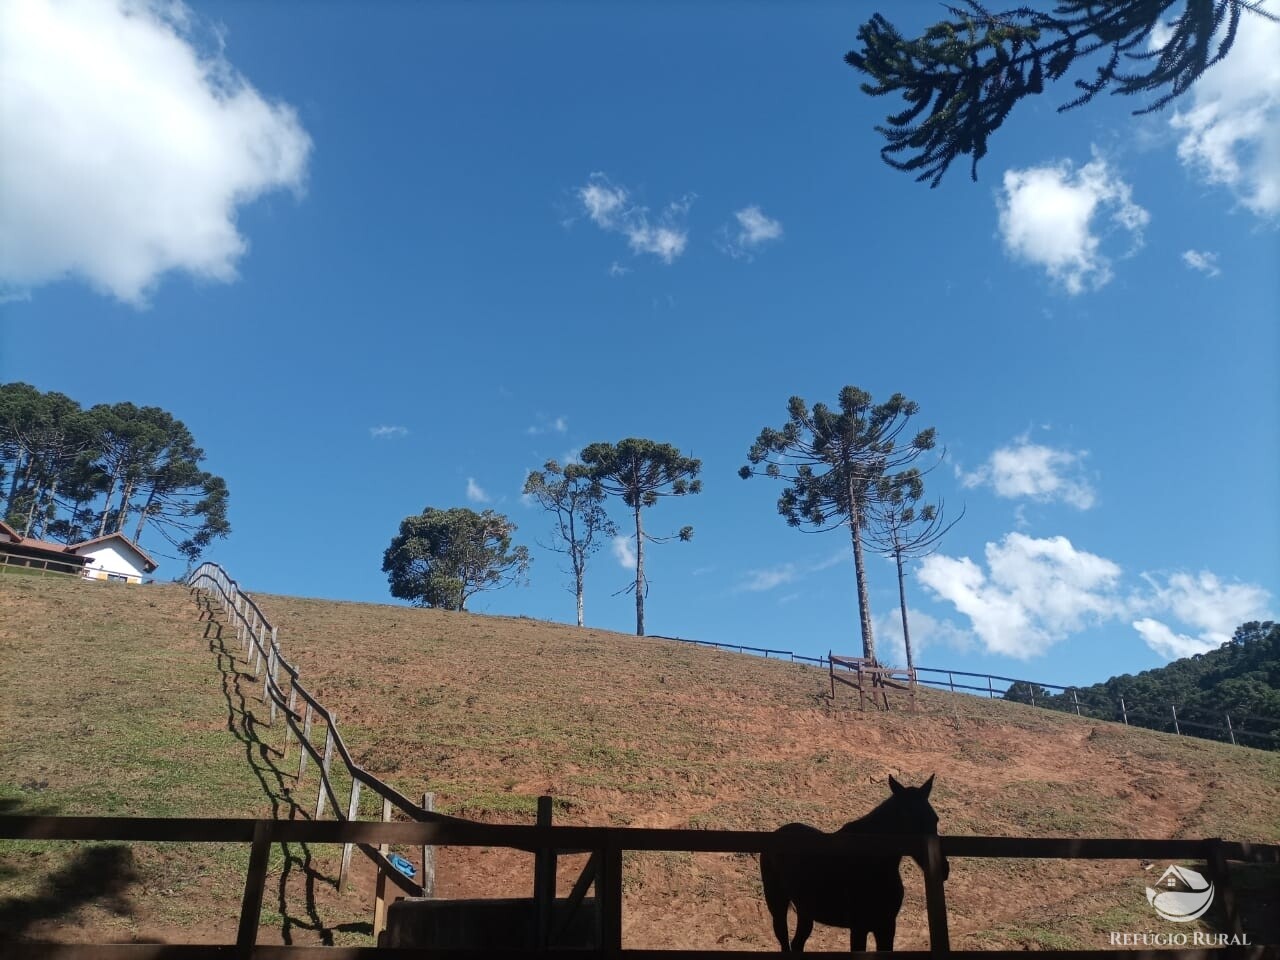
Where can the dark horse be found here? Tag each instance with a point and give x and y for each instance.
(863, 894)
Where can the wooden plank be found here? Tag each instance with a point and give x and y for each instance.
(254, 885)
(380, 889)
(166, 951)
(324, 776)
(544, 882)
(935, 899)
(353, 812)
(428, 852)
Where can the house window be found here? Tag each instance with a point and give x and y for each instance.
(117, 578)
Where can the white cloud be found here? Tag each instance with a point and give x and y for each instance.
(761, 580)
(754, 229)
(1026, 469)
(1033, 593)
(618, 270)
(476, 493)
(623, 552)
(1049, 215)
(1203, 602)
(1202, 260)
(388, 433)
(1231, 131)
(1170, 645)
(129, 145)
(758, 581)
(610, 208)
(548, 425)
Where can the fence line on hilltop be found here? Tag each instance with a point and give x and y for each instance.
(260, 642)
(1231, 727)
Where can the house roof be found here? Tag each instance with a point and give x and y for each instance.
(15, 543)
(150, 564)
(8, 531)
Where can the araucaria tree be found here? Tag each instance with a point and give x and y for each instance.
(440, 558)
(576, 503)
(69, 474)
(640, 472)
(904, 528)
(832, 462)
(962, 76)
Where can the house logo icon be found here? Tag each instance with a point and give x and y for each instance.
(1180, 895)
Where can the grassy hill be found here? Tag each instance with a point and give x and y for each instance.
(120, 700)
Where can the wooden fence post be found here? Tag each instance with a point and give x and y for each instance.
(255, 883)
(428, 854)
(324, 769)
(380, 891)
(1176, 728)
(1124, 712)
(353, 813)
(306, 735)
(288, 727)
(266, 683)
(935, 898)
(1230, 731)
(609, 893)
(1222, 878)
(991, 691)
(544, 882)
(1075, 702)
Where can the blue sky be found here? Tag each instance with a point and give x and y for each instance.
(380, 257)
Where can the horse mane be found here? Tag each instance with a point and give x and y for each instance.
(869, 821)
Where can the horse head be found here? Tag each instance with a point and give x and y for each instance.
(911, 812)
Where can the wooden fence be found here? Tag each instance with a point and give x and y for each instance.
(607, 845)
(302, 712)
(1233, 728)
(870, 679)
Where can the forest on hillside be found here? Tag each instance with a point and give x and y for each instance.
(69, 474)
(1240, 680)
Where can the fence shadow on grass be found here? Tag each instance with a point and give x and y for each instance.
(98, 874)
(277, 785)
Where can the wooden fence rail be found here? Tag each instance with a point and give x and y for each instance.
(260, 644)
(607, 845)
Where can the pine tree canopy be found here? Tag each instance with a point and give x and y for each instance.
(963, 76)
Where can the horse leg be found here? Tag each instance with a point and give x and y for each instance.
(776, 899)
(780, 926)
(858, 939)
(804, 927)
(884, 936)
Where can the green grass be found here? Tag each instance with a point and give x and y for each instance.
(114, 700)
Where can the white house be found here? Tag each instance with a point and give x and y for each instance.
(114, 557)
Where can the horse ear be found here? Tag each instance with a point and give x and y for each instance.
(928, 785)
(895, 786)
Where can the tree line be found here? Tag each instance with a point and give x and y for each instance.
(1240, 678)
(852, 466)
(68, 474)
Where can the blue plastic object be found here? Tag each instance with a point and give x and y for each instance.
(403, 865)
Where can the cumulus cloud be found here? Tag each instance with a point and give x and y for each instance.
(388, 432)
(1050, 216)
(623, 552)
(130, 142)
(1202, 260)
(611, 209)
(1231, 131)
(753, 230)
(476, 493)
(1211, 607)
(1026, 469)
(1032, 593)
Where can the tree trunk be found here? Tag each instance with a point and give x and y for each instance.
(146, 511)
(864, 604)
(106, 504)
(19, 468)
(902, 605)
(639, 575)
(125, 495)
(578, 586)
